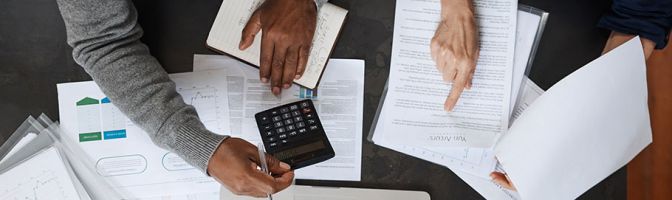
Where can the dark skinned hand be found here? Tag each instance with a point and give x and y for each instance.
(234, 165)
(287, 28)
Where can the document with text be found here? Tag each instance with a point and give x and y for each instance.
(416, 91)
(124, 154)
(339, 100)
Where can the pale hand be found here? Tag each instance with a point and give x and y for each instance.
(454, 47)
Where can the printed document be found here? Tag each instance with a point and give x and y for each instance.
(583, 127)
(339, 100)
(416, 91)
(124, 154)
(43, 176)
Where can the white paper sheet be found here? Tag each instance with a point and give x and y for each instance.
(43, 176)
(526, 33)
(127, 157)
(582, 129)
(528, 94)
(417, 92)
(340, 102)
(25, 140)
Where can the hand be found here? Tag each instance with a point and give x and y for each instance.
(234, 165)
(455, 47)
(288, 27)
(502, 180)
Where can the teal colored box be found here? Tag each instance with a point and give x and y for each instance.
(116, 134)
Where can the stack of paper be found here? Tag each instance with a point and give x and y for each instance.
(411, 119)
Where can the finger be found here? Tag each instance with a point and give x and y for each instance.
(291, 62)
(456, 91)
(304, 53)
(276, 69)
(473, 70)
(284, 181)
(450, 67)
(470, 80)
(441, 62)
(250, 31)
(502, 180)
(276, 166)
(434, 50)
(267, 48)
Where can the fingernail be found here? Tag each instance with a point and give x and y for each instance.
(264, 80)
(285, 86)
(285, 165)
(297, 77)
(276, 90)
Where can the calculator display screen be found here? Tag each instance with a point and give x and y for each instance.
(300, 150)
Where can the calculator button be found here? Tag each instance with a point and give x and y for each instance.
(275, 112)
(280, 130)
(290, 128)
(289, 121)
(296, 119)
(278, 124)
(300, 125)
(284, 141)
(283, 136)
(293, 107)
(296, 113)
(273, 144)
(311, 121)
(306, 110)
(304, 104)
(272, 139)
(264, 119)
(276, 118)
(286, 116)
(268, 133)
(292, 134)
(303, 130)
(314, 127)
(310, 115)
(267, 127)
(284, 110)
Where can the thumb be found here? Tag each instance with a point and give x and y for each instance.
(251, 29)
(276, 166)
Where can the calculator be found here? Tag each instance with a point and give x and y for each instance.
(294, 134)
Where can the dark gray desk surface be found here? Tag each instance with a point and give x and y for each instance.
(34, 57)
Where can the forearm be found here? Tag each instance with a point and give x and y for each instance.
(105, 40)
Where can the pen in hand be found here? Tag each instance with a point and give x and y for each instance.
(264, 165)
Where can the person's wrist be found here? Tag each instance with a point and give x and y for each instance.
(456, 8)
(213, 156)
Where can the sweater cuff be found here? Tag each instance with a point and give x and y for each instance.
(196, 144)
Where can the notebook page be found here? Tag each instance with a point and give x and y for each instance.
(233, 15)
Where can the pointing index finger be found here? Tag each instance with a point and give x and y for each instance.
(456, 90)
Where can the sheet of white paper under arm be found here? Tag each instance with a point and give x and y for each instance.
(233, 15)
(530, 92)
(526, 33)
(131, 162)
(43, 176)
(582, 129)
(340, 91)
(417, 92)
(29, 137)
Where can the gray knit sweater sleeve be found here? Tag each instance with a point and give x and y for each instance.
(106, 42)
